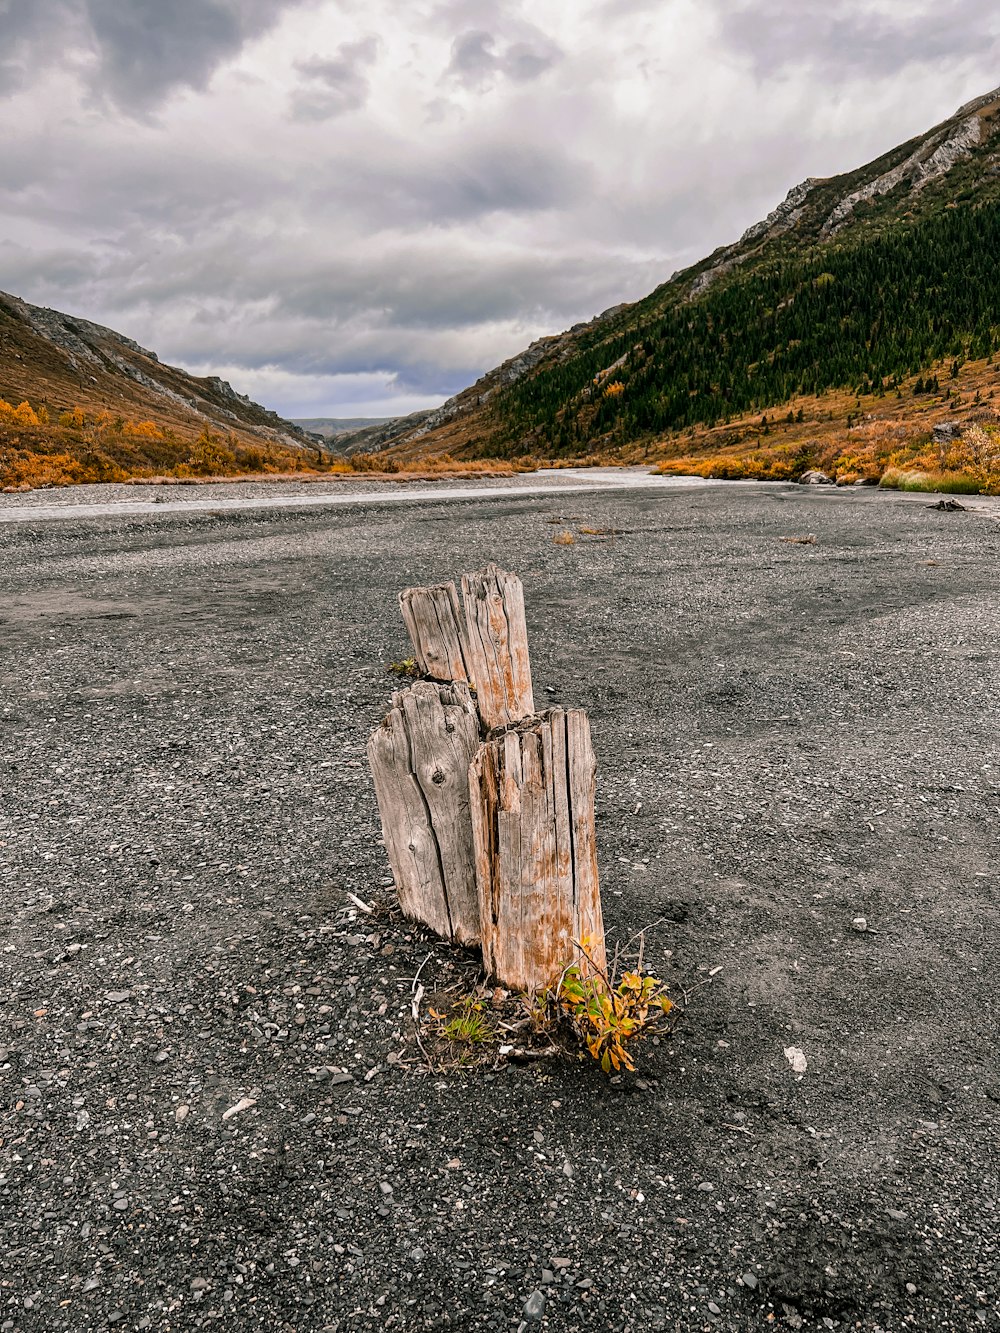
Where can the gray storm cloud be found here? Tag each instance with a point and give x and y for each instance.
(856, 36)
(319, 199)
(478, 57)
(140, 49)
(335, 85)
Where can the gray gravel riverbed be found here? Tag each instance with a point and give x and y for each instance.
(213, 1109)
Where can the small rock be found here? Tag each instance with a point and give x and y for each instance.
(199, 1284)
(181, 1113)
(334, 1077)
(911, 1288)
(116, 996)
(796, 1059)
(706, 1186)
(815, 478)
(534, 1306)
(714, 1308)
(243, 1104)
(749, 1280)
(417, 1255)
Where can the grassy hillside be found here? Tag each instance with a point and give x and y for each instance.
(80, 446)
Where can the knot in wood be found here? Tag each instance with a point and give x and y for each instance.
(437, 777)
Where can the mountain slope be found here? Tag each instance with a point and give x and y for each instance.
(852, 285)
(60, 362)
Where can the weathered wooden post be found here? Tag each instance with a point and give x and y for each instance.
(493, 841)
(435, 624)
(496, 645)
(532, 802)
(419, 759)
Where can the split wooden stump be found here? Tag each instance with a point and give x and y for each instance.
(488, 810)
(483, 642)
(536, 851)
(496, 638)
(433, 620)
(420, 759)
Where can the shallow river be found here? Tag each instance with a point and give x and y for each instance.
(118, 499)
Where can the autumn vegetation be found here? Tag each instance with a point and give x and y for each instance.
(39, 449)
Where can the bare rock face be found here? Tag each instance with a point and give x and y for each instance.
(947, 431)
(932, 159)
(786, 214)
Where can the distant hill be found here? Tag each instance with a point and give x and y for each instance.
(854, 292)
(100, 407)
(331, 427)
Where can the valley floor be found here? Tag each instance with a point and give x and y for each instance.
(790, 735)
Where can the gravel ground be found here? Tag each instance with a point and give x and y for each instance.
(213, 1108)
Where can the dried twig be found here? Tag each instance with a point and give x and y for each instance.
(418, 995)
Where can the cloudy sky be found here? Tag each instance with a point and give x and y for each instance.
(354, 209)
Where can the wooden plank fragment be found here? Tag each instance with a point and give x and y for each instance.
(436, 627)
(532, 792)
(496, 645)
(420, 759)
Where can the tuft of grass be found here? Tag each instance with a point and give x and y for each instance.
(469, 1026)
(564, 539)
(944, 483)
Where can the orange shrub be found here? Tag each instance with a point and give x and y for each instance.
(144, 430)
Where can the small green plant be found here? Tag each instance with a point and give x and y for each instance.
(407, 667)
(468, 1027)
(611, 1017)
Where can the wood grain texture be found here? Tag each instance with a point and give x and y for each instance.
(420, 759)
(496, 645)
(436, 626)
(532, 791)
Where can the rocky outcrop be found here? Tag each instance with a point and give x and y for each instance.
(933, 158)
(945, 432)
(785, 216)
